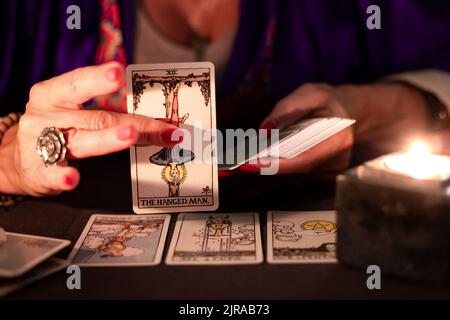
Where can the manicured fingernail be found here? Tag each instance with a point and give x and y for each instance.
(223, 173)
(112, 74)
(269, 125)
(249, 168)
(177, 135)
(126, 133)
(68, 181)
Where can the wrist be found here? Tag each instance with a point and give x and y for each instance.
(437, 113)
(356, 102)
(385, 111)
(9, 175)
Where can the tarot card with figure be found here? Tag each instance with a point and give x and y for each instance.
(121, 240)
(183, 178)
(301, 237)
(216, 239)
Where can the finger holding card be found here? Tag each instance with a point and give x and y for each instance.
(182, 178)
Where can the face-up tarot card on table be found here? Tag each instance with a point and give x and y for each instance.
(301, 237)
(216, 239)
(183, 178)
(121, 240)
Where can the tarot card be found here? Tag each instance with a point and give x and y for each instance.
(216, 239)
(301, 237)
(183, 178)
(43, 270)
(22, 252)
(121, 240)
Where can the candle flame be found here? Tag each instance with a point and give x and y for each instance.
(420, 163)
(419, 148)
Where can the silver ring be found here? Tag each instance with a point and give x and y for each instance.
(51, 146)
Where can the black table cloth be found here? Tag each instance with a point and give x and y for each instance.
(105, 188)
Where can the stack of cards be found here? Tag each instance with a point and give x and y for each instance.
(292, 141)
(307, 134)
(25, 258)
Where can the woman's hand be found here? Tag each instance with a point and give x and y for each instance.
(386, 115)
(58, 103)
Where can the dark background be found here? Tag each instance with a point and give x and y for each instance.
(105, 188)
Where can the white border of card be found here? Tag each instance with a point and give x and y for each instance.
(214, 188)
(159, 251)
(222, 245)
(288, 231)
(37, 260)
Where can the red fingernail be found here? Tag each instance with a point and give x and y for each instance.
(112, 74)
(269, 125)
(223, 173)
(68, 181)
(249, 168)
(126, 133)
(172, 136)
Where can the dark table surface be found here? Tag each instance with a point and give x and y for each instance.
(105, 188)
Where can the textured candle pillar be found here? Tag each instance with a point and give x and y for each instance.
(395, 221)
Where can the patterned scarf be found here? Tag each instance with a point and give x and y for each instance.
(109, 49)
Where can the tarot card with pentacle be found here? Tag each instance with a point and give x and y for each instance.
(182, 178)
(301, 237)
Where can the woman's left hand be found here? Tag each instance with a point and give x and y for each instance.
(385, 113)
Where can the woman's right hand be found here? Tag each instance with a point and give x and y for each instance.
(58, 103)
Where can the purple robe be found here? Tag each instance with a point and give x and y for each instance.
(280, 44)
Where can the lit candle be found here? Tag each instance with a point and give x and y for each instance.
(393, 211)
(419, 163)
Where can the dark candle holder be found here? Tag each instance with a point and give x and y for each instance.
(395, 221)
